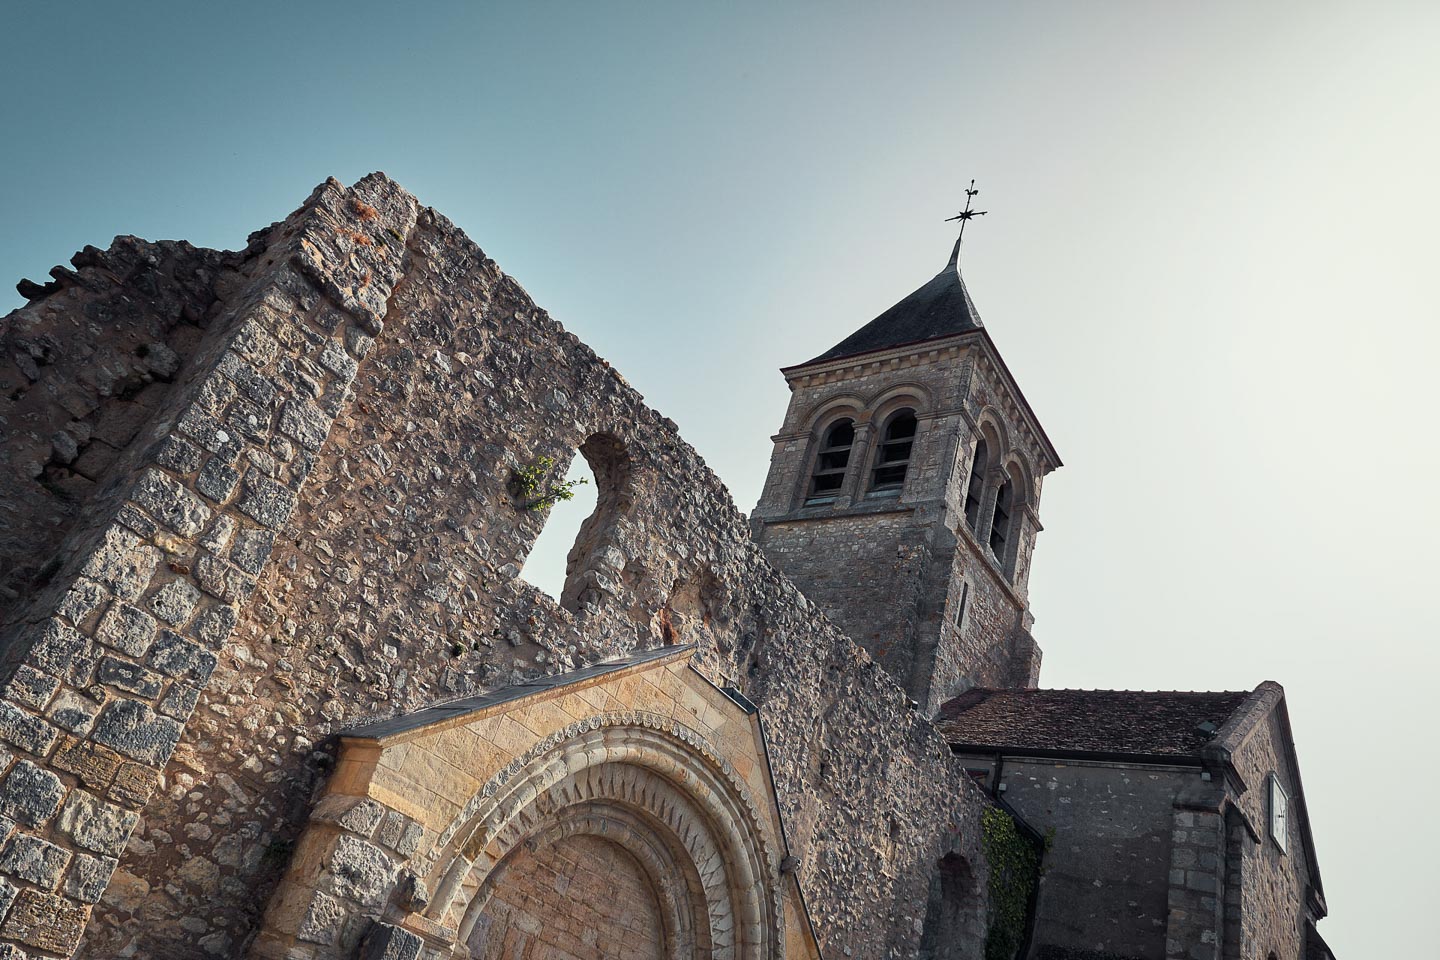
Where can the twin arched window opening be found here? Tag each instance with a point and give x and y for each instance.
(892, 458)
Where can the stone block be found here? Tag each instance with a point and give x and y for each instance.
(30, 687)
(178, 454)
(46, 921)
(266, 501)
(134, 783)
(63, 651)
(25, 730)
(96, 825)
(82, 599)
(168, 501)
(215, 624)
(29, 794)
(217, 480)
(127, 676)
(93, 764)
(251, 549)
(179, 701)
(30, 858)
(175, 601)
(175, 656)
(334, 358)
(388, 942)
(323, 920)
(122, 563)
(356, 814)
(88, 877)
(127, 629)
(133, 729)
(360, 871)
(305, 423)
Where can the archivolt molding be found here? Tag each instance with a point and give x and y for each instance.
(643, 768)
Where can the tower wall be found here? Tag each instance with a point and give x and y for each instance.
(903, 574)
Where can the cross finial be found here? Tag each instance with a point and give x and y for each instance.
(964, 216)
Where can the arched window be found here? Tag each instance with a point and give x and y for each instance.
(832, 461)
(892, 460)
(1000, 520)
(976, 489)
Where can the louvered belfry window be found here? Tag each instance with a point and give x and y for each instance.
(832, 461)
(893, 458)
(1000, 522)
(976, 489)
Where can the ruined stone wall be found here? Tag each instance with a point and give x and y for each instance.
(321, 529)
(82, 371)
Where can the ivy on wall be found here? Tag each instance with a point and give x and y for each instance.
(1014, 871)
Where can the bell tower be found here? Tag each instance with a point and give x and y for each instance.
(904, 491)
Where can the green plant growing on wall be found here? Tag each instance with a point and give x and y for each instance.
(1014, 870)
(534, 488)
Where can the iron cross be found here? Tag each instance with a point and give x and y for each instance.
(964, 216)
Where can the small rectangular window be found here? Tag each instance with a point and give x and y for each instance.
(1279, 814)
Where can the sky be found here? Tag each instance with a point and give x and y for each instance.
(1208, 261)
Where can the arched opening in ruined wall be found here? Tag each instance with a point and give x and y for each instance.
(545, 564)
(595, 565)
(954, 925)
(629, 834)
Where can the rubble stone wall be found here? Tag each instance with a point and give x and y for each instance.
(320, 527)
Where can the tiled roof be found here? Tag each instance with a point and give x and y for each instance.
(1128, 722)
(941, 308)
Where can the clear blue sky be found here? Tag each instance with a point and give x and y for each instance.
(1208, 261)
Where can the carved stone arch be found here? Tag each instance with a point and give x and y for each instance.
(990, 424)
(883, 403)
(1017, 467)
(825, 411)
(619, 769)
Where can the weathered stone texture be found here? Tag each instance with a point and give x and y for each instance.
(315, 520)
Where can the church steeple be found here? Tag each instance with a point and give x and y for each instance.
(904, 491)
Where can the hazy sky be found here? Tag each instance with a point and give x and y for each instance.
(1209, 262)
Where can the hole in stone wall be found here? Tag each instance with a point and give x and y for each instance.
(544, 567)
(596, 566)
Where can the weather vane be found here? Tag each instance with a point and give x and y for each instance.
(964, 216)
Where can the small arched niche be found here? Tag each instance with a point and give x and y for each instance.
(954, 921)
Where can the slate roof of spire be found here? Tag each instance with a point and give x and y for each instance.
(941, 308)
(1131, 722)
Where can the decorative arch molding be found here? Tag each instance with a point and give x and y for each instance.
(898, 395)
(821, 412)
(636, 775)
(990, 424)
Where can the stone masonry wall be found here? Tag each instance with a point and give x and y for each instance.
(319, 528)
(580, 899)
(1273, 881)
(1107, 874)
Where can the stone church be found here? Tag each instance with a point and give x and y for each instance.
(273, 686)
